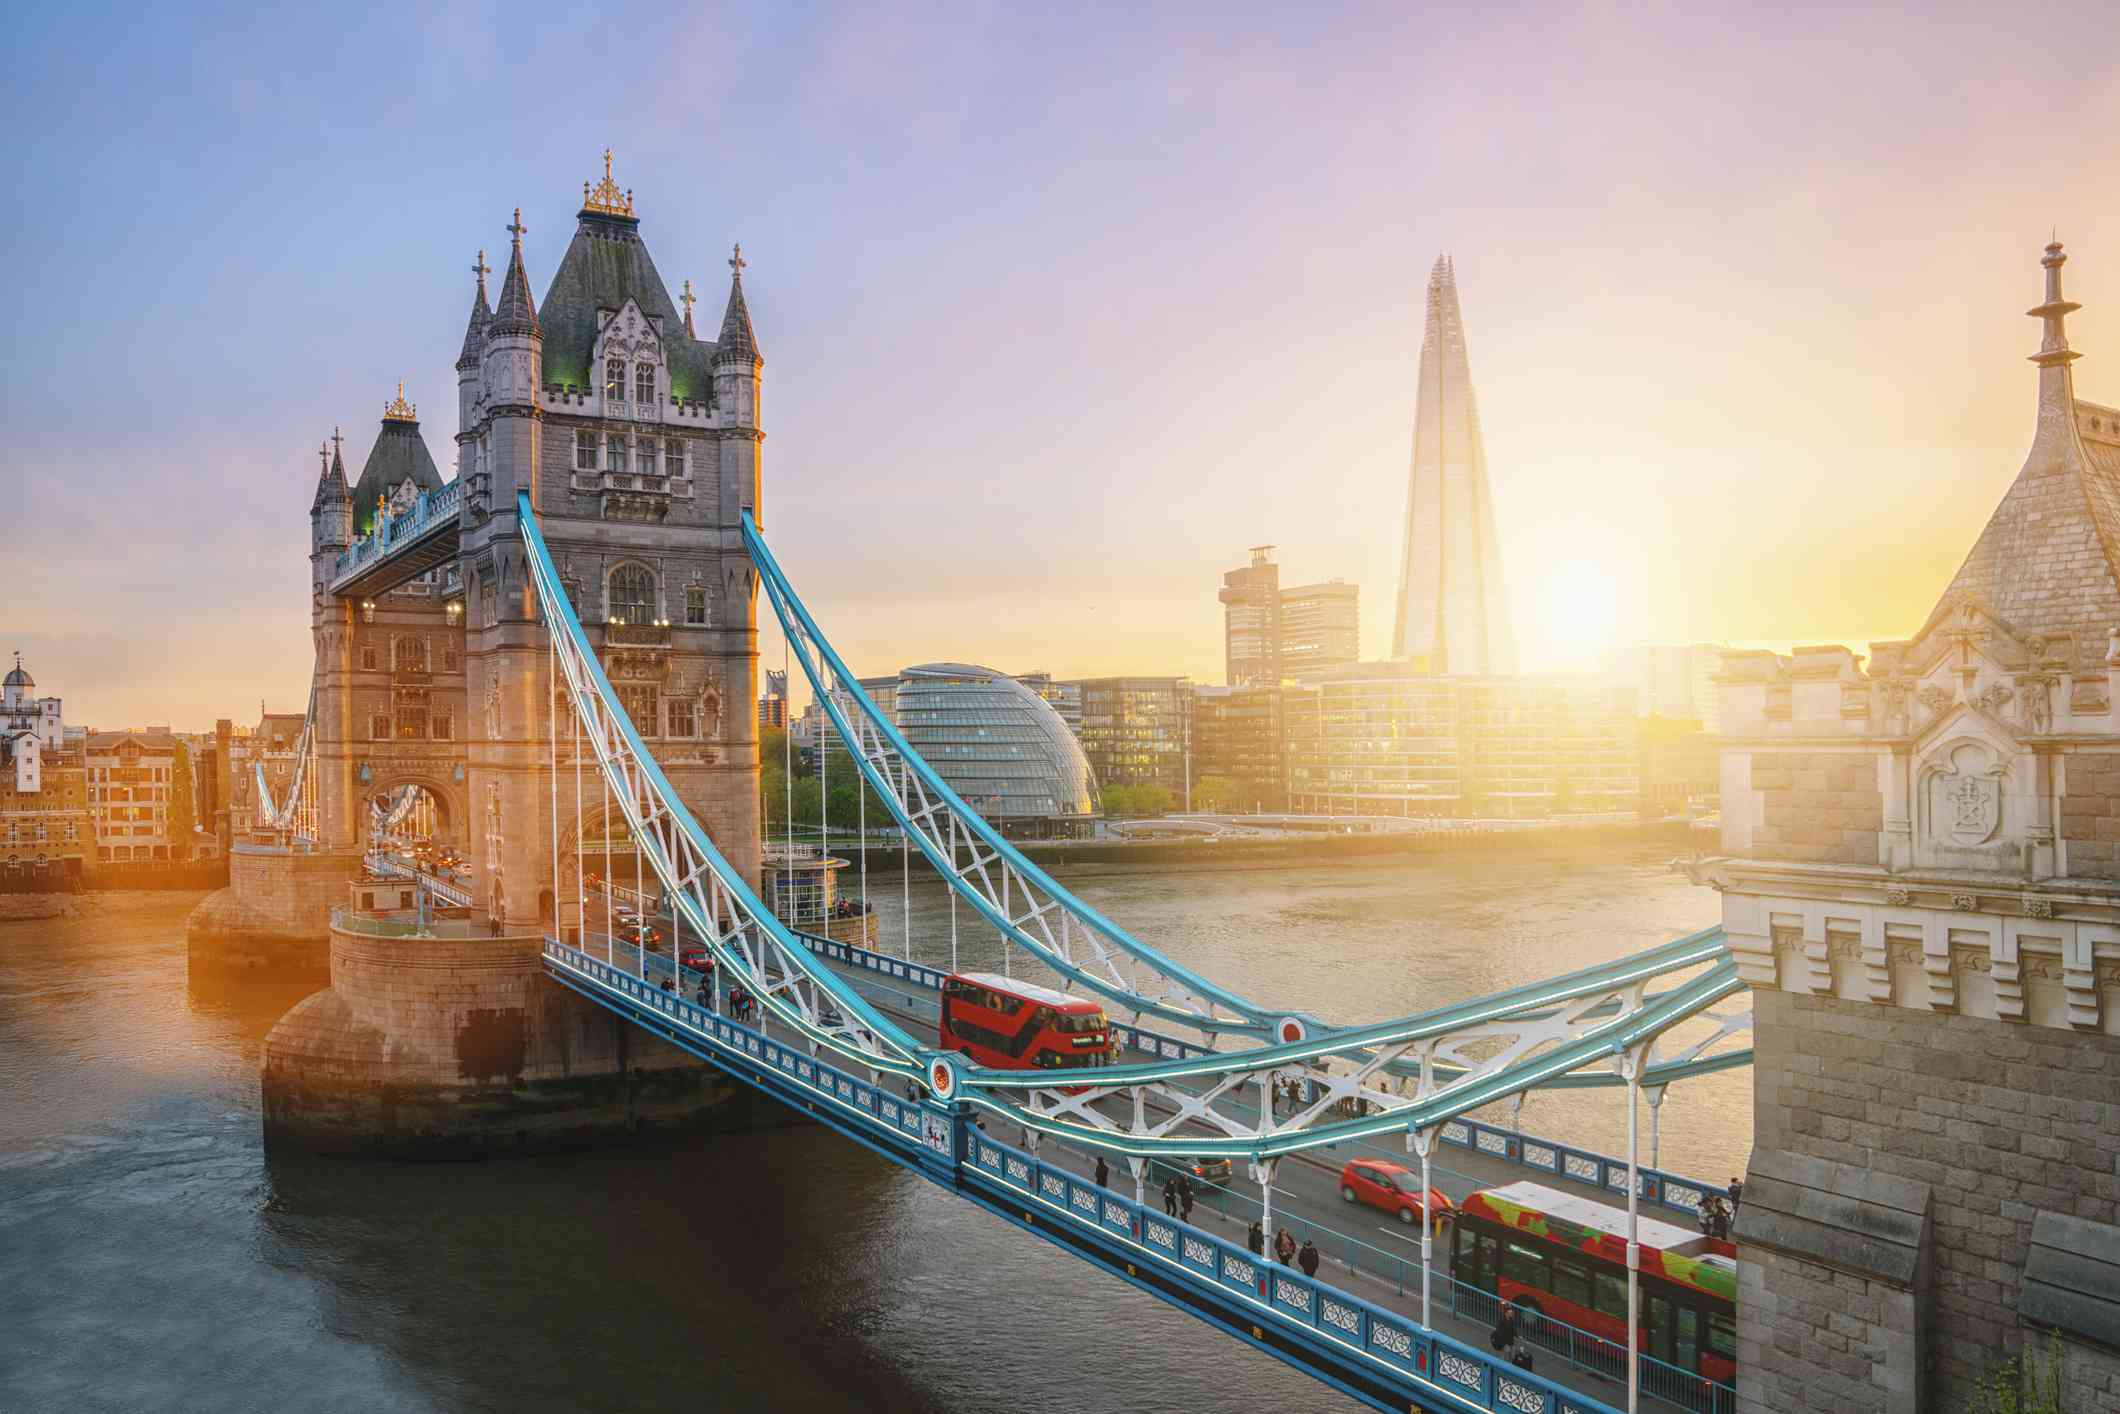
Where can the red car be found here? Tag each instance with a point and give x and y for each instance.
(698, 959)
(1392, 1187)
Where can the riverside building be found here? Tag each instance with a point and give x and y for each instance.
(45, 831)
(1390, 739)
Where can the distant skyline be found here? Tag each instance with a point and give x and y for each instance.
(1059, 318)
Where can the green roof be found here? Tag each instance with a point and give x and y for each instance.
(607, 264)
(399, 453)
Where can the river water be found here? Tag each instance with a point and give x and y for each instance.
(152, 1256)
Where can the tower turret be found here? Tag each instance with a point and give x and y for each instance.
(512, 367)
(331, 509)
(737, 361)
(467, 373)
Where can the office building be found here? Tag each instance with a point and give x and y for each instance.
(1240, 748)
(1387, 739)
(1251, 620)
(1321, 628)
(1452, 614)
(1137, 730)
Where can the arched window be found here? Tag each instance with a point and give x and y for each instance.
(411, 655)
(615, 379)
(644, 382)
(633, 594)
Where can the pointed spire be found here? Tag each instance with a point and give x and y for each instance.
(738, 339)
(516, 312)
(481, 316)
(688, 299)
(2053, 345)
(331, 478)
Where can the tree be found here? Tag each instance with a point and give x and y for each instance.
(1137, 800)
(183, 808)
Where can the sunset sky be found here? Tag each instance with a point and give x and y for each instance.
(1062, 310)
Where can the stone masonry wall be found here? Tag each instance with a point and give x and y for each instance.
(1835, 1326)
(1999, 1119)
(1819, 806)
(276, 893)
(2090, 814)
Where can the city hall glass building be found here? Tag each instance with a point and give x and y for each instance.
(1000, 746)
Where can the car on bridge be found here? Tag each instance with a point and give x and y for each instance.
(1208, 1169)
(1379, 1183)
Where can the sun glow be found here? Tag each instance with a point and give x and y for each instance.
(1579, 611)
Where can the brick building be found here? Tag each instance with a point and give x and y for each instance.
(45, 834)
(1921, 883)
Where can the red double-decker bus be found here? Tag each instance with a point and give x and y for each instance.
(1565, 1256)
(1012, 1025)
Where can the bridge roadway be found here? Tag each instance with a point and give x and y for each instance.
(1364, 1251)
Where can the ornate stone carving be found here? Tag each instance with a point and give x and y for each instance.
(1964, 794)
(2038, 703)
(1967, 959)
(1897, 897)
(1894, 693)
(1993, 698)
(2039, 908)
(1964, 903)
(493, 706)
(1935, 697)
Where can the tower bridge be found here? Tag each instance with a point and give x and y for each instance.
(545, 645)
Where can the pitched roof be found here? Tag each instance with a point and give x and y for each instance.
(737, 339)
(399, 454)
(475, 330)
(331, 483)
(607, 264)
(516, 313)
(2048, 561)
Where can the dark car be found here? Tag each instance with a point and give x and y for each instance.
(1207, 1170)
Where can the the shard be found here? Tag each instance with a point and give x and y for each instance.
(1452, 613)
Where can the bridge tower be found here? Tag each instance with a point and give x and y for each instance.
(639, 446)
(1921, 882)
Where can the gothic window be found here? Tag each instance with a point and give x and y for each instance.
(410, 655)
(681, 716)
(640, 703)
(615, 379)
(585, 451)
(412, 722)
(695, 603)
(673, 456)
(444, 727)
(644, 382)
(448, 660)
(614, 452)
(379, 728)
(371, 661)
(633, 594)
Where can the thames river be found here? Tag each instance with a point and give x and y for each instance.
(152, 1256)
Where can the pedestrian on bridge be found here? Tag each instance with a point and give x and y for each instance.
(1170, 1196)
(1284, 1247)
(1104, 1173)
(1185, 1198)
(1307, 1259)
(1256, 1240)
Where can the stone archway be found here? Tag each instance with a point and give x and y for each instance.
(449, 809)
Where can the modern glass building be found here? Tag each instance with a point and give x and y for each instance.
(1000, 746)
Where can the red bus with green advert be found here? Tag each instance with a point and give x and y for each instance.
(1564, 1256)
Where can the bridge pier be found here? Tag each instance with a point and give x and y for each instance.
(459, 1046)
(277, 895)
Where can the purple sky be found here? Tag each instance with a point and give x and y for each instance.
(1063, 311)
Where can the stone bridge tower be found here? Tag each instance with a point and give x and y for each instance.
(1921, 882)
(639, 444)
